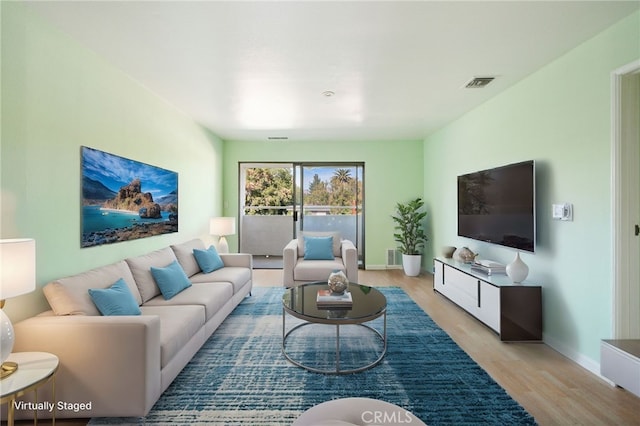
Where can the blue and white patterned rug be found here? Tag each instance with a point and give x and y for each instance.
(240, 376)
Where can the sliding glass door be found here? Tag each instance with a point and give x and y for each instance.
(278, 200)
(266, 211)
(331, 198)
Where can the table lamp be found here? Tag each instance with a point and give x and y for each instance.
(222, 226)
(17, 276)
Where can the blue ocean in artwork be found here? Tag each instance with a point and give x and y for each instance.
(95, 219)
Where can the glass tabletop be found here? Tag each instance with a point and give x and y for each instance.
(368, 303)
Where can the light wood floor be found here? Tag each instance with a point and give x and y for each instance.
(555, 390)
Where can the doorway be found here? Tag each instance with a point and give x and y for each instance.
(330, 197)
(278, 200)
(626, 201)
(266, 222)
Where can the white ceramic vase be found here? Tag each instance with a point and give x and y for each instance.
(517, 270)
(411, 264)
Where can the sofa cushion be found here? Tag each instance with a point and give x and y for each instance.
(178, 324)
(171, 279)
(184, 254)
(235, 275)
(316, 270)
(209, 260)
(318, 248)
(115, 300)
(213, 296)
(336, 240)
(141, 270)
(70, 295)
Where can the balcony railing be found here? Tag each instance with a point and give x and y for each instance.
(267, 234)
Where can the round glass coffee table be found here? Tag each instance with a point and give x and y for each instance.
(367, 304)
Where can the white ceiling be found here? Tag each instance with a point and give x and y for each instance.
(253, 70)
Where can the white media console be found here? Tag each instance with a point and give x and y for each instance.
(514, 311)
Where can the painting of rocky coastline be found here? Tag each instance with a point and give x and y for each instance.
(124, 199)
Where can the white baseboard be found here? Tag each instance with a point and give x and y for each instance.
(381, 267)
(583, 361)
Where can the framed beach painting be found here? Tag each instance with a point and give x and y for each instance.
(124, 199)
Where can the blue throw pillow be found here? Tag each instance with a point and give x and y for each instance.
(115, 300)
(208, 260)
(318, 248)
(171, 279)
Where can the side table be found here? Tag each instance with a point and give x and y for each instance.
(34, 370)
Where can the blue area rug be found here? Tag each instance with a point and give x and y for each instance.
(240, 376)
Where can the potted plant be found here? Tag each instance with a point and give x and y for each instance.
(410, 235)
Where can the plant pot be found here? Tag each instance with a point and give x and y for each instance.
(411, 264)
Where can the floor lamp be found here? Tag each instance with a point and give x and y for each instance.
(17, 276)
(222, 226)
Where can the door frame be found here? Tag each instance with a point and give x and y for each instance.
(625, 171)
(298, 201)
(298, 204)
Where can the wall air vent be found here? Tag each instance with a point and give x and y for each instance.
(394, 259)
(479, 82)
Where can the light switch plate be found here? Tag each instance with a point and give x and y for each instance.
(563, 211)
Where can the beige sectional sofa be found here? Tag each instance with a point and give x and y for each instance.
(122, 364)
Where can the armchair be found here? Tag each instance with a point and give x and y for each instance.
(299, 269)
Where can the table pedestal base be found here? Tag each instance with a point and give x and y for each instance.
(338, 370)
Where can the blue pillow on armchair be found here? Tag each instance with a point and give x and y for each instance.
(318, 248)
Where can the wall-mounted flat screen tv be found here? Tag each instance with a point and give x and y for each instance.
(498, 206)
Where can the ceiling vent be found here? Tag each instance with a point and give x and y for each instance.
(479, 82)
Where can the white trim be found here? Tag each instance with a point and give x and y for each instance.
(619, 238)
(381, 267)
(615, 197)
(583, 361)
(630, 68)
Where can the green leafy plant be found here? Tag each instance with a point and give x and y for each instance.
(408, 219)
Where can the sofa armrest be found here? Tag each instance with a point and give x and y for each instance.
(289, 260)
(350, 259)
(243, 260)
(111, 362)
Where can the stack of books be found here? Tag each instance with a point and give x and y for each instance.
(488, 267)
(328, 300)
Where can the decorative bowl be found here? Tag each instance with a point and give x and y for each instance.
(447, 251)
(463, 254)
(338, 282)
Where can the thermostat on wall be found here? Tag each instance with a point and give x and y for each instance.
(563, 211)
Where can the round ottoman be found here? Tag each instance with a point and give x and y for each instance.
(356, 411)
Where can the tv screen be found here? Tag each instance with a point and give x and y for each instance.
(498, 206)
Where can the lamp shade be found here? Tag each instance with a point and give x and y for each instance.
(222, 226)
(17, 267)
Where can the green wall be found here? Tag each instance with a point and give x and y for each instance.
(559, 117)
(393, 172)
(58, 96)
